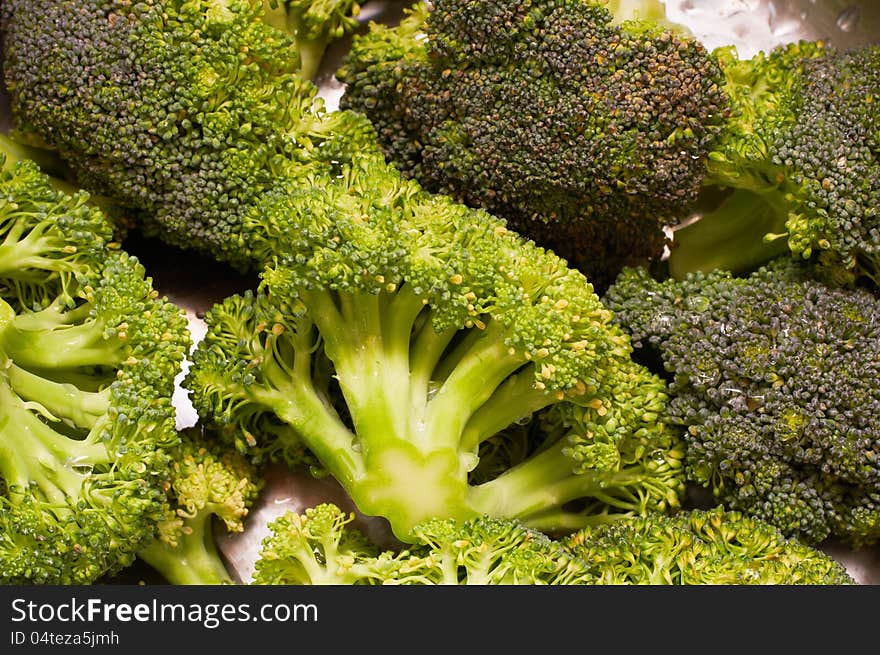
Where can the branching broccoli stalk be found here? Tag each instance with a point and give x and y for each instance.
(207, 481)
(441, 328)
(89, 354)
(799, 159)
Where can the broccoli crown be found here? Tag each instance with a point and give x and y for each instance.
(183, 112)
(397, 331)
(800, 154)
(700, 547)
(775, 378)
(587, 135)
(207, 480)
(89, 353)
(320, 547)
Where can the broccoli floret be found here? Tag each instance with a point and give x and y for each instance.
(314, 25)
(182, 112)
(700, 547)
(588, 134)
(320, 547)
(776, 378)
(208, 481)
(798, 161)
(441, 328)
(90, 353)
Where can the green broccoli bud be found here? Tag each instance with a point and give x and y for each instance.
(314, 25)
(700, 547)
(208, 483)
(321, 547)
(589, 135)
(182, 113)
(798, 160)
(774, 378)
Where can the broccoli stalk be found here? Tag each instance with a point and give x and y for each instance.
(441, 328)
(192, 558)
(735, 223)
(26, 456)
(207, 481)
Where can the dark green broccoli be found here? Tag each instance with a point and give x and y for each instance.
(320, 547)
(700, 547)
(438, 328)
(182, 112)
(90, 353)
(776, 379)
(207, 480)
(800, 162)
(588, 134)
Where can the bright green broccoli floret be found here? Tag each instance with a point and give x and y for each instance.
(700, 547)
(588, 134)
(321, 547)
(89, 354)
(208, 480)
(800, 160)
(441, 329)
(183, 112)
(314, 25)
(776, 379)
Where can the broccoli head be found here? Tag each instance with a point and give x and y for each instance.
(397, 331)
(181, 112)
(775, 377)
(208, 481)
(799, 164)
(90, 353)
(320, 547)
(700, 547)
(588, 134)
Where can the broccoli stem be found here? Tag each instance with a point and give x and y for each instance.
(428, 346)
(369, 348)
(409, 431)
(48, 161)
(294, 399)
(34, 453)
(62, 400)
(20, 255)
(513, 401)
(50, 339)
(747, 230)
(194, 560)
(477, 376)
(546, 479)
